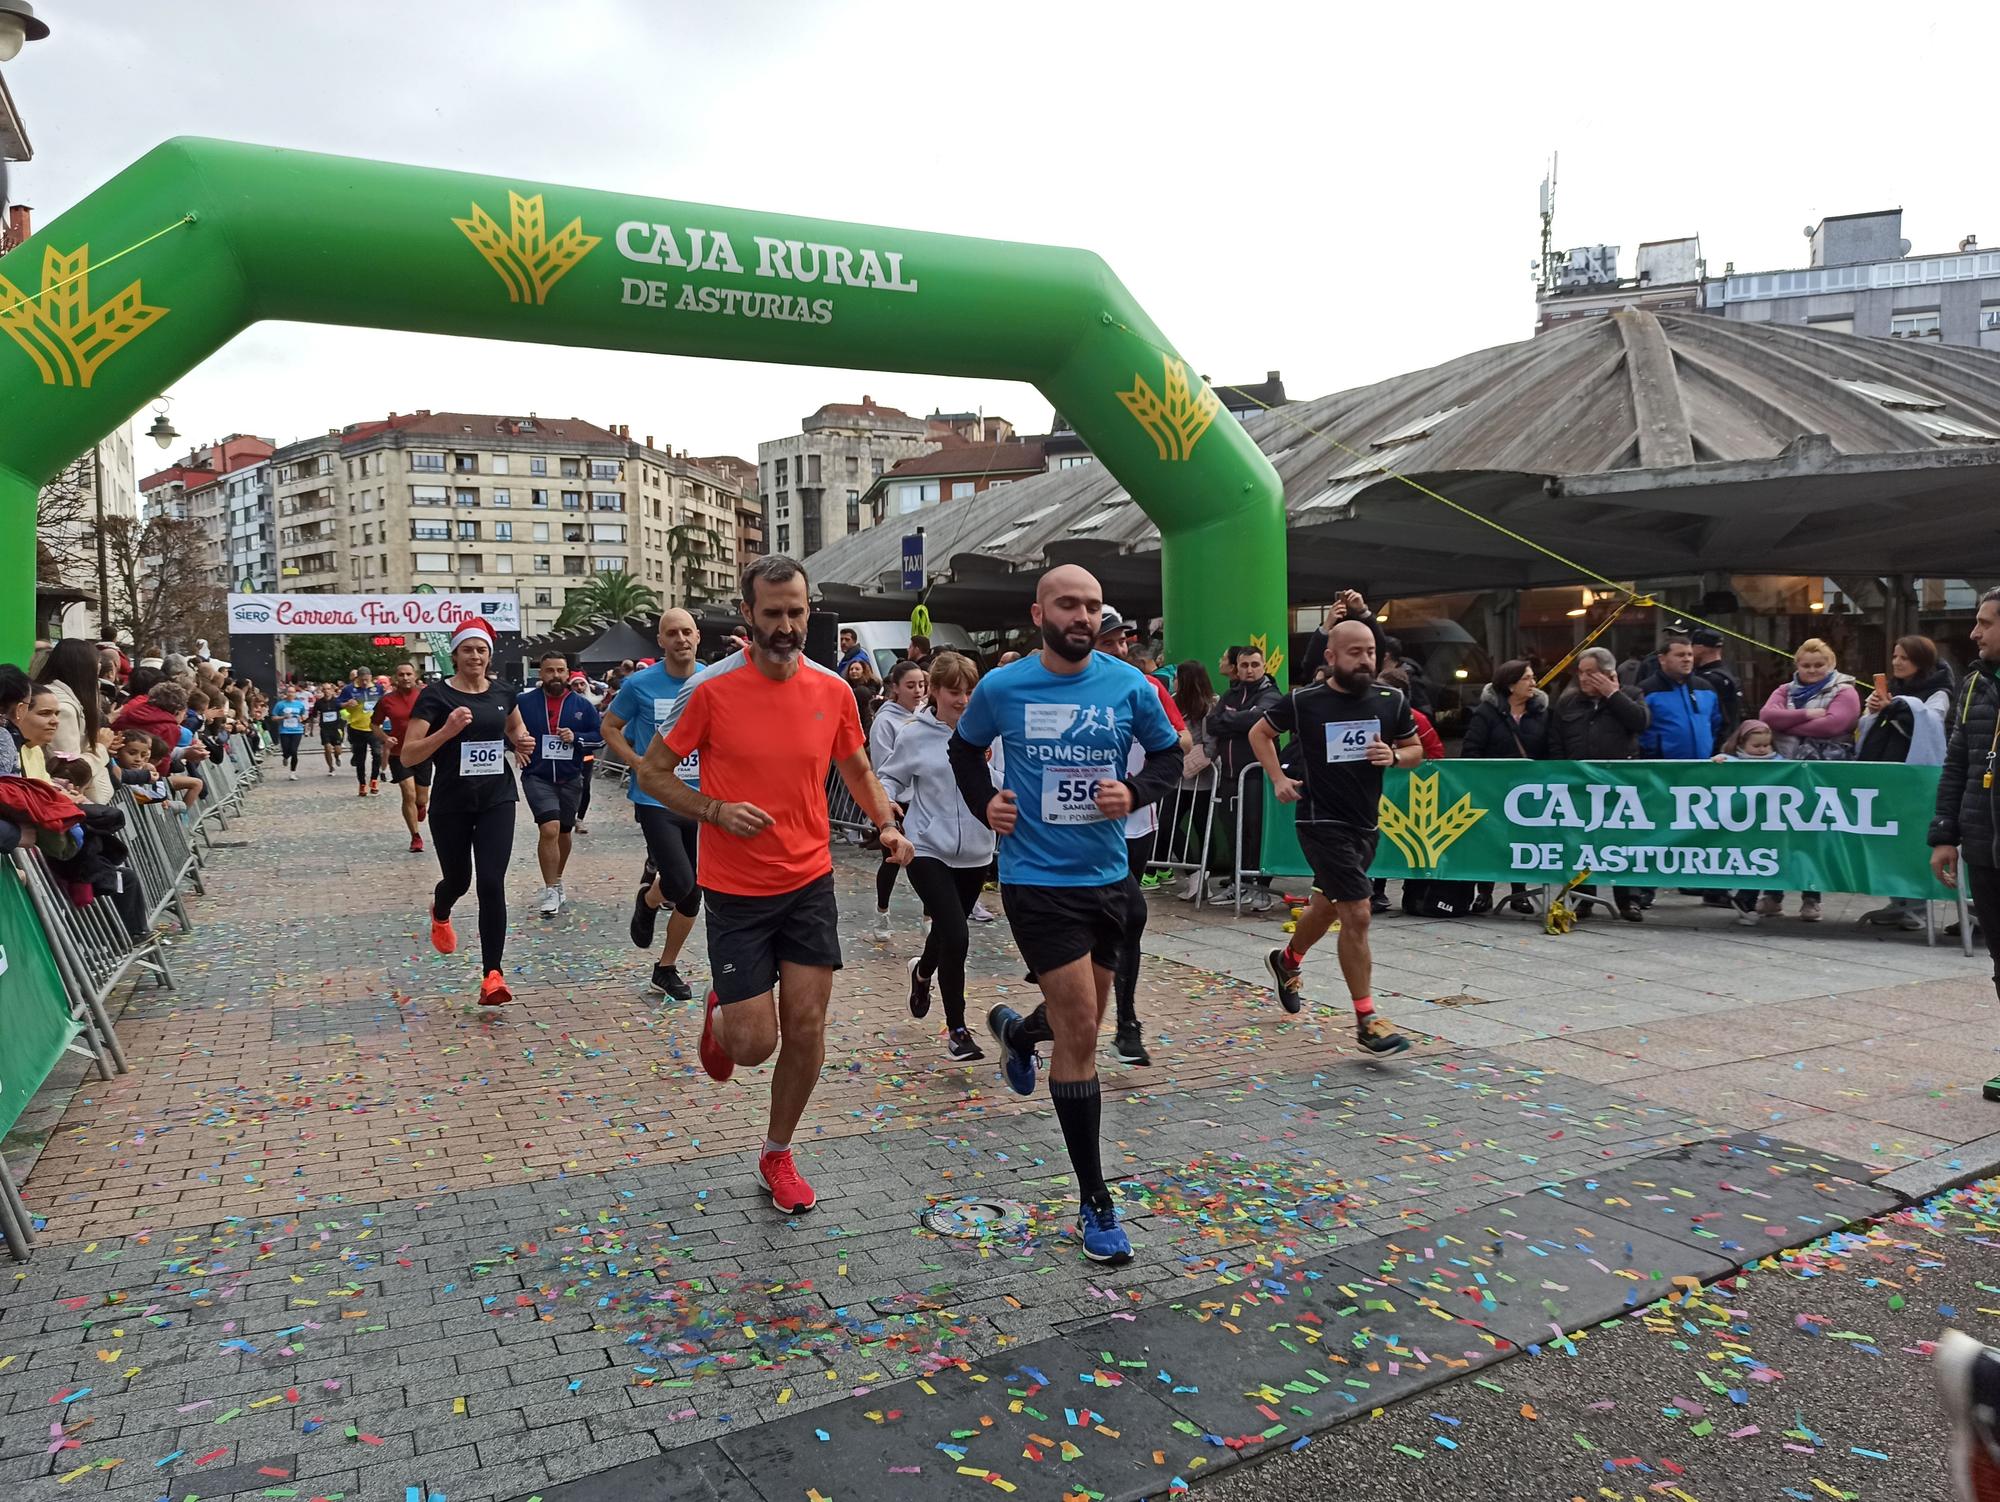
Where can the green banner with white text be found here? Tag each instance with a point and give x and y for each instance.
(1781, 826)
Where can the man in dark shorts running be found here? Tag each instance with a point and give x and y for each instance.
(413, 784)
(767, 722)
(1066, 719)
(1348, 729)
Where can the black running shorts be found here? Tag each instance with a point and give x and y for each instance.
(419, 774)
(1339, 855)
(553, 802)
(334, 734)
(1056, 925)
(750, 937)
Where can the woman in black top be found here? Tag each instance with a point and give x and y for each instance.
(465, 725)
(1510, 720)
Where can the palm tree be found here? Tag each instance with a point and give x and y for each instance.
(692, 542)
(608, 598)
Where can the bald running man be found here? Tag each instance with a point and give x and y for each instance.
(1066, 719)
(1346, 731)
(629, 727)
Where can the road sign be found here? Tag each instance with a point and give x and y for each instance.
(913, 562)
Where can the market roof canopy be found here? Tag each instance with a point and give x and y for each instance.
(1638, 445)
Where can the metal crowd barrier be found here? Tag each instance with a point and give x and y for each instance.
(1176, 847)
(850, 824)
(93, 951)
(160, 854)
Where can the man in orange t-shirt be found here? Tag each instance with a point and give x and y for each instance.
(392, 714)
(766, 723)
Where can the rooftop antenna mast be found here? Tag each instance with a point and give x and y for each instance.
(1548, 278)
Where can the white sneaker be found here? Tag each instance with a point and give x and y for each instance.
(1222, 892)
(552, 900)
(881, 930)
(1192, 890)
(1748, 920)
(1264, 901)
(293, 775)
(979, 914)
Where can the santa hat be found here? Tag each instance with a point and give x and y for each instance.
(472, 628)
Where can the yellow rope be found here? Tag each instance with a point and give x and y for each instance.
(1578, 650)
(185, 219)
(1632, 597)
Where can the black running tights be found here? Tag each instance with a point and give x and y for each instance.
(948, 893)
(1125, 979)
(465, 841)
(885, 883)
(288, 747)
(362, 744)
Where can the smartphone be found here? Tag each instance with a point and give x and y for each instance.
(1882, 684)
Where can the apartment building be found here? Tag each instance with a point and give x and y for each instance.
(814, 479)
(473, 501)
(225, 488)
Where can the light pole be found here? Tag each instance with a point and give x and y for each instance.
(18, 27)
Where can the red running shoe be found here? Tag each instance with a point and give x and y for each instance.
(493, 991)
(444, 939)
(416, 844)
(718, 1064)
(789, 1190)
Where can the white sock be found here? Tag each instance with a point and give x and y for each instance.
(776, 1147)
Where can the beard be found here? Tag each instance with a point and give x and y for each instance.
(1353, 680)
(1072, 645)
(780, 644)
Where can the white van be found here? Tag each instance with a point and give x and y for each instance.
(887, 641)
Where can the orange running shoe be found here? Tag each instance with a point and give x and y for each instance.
(374, 787)
(493, 991)
(789, 1190)
(718, 1063)
(444, 939)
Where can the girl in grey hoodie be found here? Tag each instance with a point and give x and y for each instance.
(902, 692)
(953, 849)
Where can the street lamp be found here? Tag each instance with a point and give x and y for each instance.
(161, 432)
(18, 27)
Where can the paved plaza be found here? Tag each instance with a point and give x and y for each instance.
(339, 1233)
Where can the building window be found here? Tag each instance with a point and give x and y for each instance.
(573, 532)
(499, 464)
(468, 531)
(784, 539)
(961, 490)
(812, 469)
(572, 565)
(466, 497)
(875, 467)
(811, 539)
(471, 563)
(784, 474)
(431, 563)
(429, 495)
(465, 464)
(424, 463)
(571, 468)
(606, 500)
(853, 512)
(1072, 461)
(544, 596)
(853, 466)
(429, 531)
(784, 504)
(572, 500)
(538, 465)
(1989, 319)
(538, 498)
(607, 532)
(608, 565)
(541, 532)
(542, 566)
(503, 497)
(503, 563)
(502, 531)
(1915, 326)
(604, 469)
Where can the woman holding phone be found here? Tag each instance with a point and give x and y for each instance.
(467, 725)
(1907, 718)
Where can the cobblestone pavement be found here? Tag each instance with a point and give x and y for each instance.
(340, 1232)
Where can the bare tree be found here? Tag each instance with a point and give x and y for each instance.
(65, 532)
(162, 591)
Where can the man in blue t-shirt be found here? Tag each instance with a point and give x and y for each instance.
(552, 782)
(1066, 720)
(631, 721)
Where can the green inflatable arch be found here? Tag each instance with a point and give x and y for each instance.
(141, 281)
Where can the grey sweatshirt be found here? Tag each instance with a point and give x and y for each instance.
(918, 775)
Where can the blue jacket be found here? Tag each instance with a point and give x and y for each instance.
(1686, 720)
(578, 714)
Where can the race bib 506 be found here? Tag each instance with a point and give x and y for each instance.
(481, 758)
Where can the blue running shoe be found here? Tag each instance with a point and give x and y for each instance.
(1104, 1240)
(1005, 1025)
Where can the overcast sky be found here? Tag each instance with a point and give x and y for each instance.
(1336, 193)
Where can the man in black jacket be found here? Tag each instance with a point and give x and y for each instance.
(1600, 720)
(1964, 826)
(1230, 722)
(1708, 663)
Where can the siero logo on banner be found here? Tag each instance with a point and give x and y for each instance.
(299, 615)
(913, 561)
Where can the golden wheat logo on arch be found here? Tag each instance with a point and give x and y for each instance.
(1420, 830)
(525, 258)
(63, 334)
(1175, 421)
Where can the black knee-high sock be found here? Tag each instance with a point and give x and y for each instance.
(1078, 1108)
(1035, 1027)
